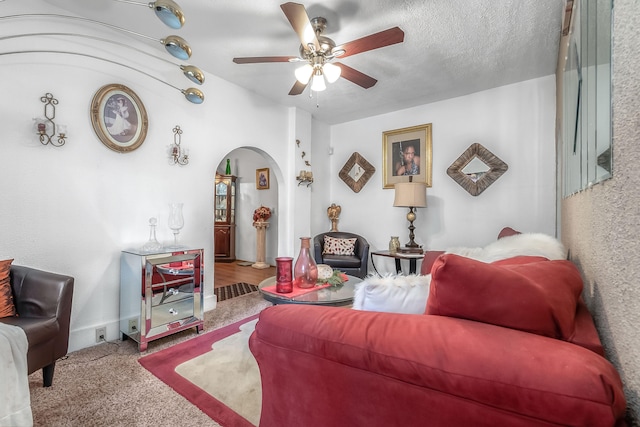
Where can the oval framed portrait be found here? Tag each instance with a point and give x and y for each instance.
(119, 118)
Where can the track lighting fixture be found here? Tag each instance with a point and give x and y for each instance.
(175, 45)
(167, 11)
(192, 95)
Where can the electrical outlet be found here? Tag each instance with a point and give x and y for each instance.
(133, 326)
(101, 334)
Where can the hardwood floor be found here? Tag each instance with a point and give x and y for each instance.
(228, 273)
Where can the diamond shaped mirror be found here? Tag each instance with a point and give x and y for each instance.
(356, 172)
(476, 169)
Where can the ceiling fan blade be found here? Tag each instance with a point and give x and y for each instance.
(297, 16)
(374, 41)
(356, 76)
(297, 88)
(257, 59)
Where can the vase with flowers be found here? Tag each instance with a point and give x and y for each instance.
(260, 217)
(262, 214)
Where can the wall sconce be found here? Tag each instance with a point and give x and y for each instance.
(305, 177)
(177, 154)
(46, 127)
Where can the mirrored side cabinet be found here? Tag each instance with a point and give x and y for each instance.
(160, 293)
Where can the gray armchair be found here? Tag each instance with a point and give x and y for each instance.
(43, 304)
(354, 265)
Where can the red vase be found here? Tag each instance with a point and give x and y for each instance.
(305, 272)
(284, 279)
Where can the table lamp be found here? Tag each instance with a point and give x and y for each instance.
(411, 195)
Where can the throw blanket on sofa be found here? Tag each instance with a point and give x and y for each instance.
(15, 403)
(408, 294)
(525, 244)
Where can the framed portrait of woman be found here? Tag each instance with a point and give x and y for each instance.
(119, 118)
(407, 153)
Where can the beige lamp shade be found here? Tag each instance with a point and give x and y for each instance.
(410, 195)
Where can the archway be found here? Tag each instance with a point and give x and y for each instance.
(245, 163)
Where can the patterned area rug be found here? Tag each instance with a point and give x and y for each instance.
(234, 290)
(216, 372)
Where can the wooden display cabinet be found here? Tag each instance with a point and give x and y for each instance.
(224, 234)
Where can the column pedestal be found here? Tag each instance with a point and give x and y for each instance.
(261, 229)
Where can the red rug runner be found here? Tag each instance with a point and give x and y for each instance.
(162, 364)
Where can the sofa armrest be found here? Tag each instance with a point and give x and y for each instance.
(430, 257)
(42, 294)
(356, 353)
(317, 250)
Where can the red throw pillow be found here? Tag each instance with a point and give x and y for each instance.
(506, 232)
(531, 294)
(7, 308)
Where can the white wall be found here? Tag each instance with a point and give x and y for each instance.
(73, 209)
(515, 122)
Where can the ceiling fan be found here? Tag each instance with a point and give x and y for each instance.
(318, 52)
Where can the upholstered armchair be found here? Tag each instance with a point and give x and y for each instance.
(43, 305)
(347, 252)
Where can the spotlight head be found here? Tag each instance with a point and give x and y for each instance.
(169, 13)
(193, 73)
(193, 95)
(177, 46)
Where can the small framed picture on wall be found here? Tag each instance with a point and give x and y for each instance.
(262, 179)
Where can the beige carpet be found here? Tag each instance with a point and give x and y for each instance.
(105, 385)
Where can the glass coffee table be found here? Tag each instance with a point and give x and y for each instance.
(331, 296)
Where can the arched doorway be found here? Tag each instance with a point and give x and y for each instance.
(250, 194)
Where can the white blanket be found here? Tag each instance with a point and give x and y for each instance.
(529, 244)
(15, 403)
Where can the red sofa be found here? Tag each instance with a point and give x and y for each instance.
(508, 343)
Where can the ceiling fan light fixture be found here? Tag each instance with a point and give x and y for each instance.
(318, 84)
(303, 74)
(331, 72)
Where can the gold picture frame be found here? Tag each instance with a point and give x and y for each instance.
(356, 172)
(416, 143)
(262, 179)
(119, 118)
(476, 169)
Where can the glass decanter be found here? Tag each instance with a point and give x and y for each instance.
(152, 245)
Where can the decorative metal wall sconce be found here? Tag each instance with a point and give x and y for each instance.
(178, 155)
(46, 127)
(305, 177)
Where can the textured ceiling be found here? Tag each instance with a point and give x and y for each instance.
(451, 48)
